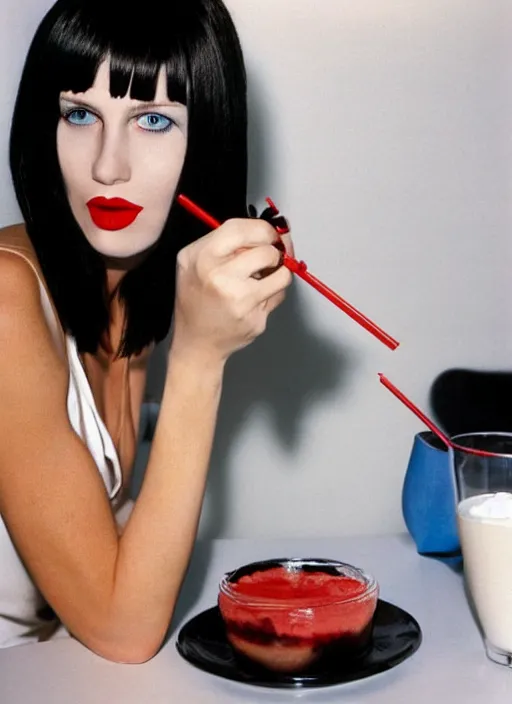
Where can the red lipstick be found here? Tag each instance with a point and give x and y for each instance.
(112, 213)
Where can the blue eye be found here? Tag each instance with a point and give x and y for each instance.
(80, 116)
(153, 122)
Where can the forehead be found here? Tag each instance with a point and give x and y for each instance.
(100, 88)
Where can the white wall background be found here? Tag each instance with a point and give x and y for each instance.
(382, 129)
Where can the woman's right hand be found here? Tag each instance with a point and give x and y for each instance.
(220, 306)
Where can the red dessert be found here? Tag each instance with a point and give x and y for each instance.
(286, 615)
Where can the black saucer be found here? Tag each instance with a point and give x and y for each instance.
(396, 636)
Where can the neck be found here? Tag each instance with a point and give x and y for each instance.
(114, 278)
(117, 267)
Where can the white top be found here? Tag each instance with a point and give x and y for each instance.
(19, 598)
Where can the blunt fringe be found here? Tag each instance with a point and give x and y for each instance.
(197, 43)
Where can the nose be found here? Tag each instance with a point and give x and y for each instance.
(112, 163)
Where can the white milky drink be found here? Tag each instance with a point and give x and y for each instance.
(485, 527)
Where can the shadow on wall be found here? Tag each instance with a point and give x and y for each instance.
(468, 400)
(259, 140)
(285, 372)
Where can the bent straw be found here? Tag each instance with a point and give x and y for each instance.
(300, 268)
(425, 419)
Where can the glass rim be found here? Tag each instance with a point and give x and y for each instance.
(366, 578)
(479, 433)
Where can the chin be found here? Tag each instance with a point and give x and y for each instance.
(118, 246)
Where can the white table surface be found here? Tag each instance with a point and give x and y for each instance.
(450, 665)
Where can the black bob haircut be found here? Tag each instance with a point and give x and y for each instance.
(197, 43)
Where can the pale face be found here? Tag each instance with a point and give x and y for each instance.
(123, 149)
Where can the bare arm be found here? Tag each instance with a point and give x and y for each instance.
(117, 594)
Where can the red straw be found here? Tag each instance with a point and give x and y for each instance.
(444, 438)
(300, 268)
(197, 211)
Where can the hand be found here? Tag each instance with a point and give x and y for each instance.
(220, 305)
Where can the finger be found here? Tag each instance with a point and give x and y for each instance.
(251, 262)
(274, 301)
(272, 284)
(238, 234)
(288, 243)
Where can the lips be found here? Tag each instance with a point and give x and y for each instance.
(112, 213)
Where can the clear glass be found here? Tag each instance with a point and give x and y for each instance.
(287, 630)
(297, 565)
(486, 538)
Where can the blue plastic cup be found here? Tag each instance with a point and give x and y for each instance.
(428, 497)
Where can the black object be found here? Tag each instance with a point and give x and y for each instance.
(396, 636)
(466, 401)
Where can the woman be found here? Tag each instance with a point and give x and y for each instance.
(115, 113)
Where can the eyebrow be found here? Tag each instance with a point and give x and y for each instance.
(131, 111)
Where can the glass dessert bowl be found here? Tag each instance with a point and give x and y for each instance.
(285, 614)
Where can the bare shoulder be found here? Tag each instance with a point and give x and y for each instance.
(18, 281)
(22, 318)
(14, 236)
(16, 228)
